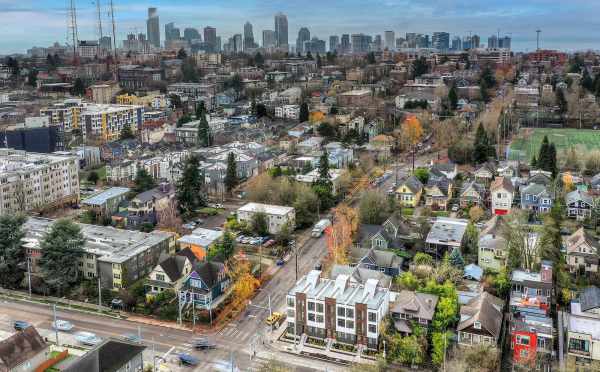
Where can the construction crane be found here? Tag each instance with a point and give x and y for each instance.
(99, 15)
(73, 34)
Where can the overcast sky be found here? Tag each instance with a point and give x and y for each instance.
(568, 25)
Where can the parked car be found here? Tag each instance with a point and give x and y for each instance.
(188, 360)
(455, 208)
(62, 325)
(131, 337)
(275, 319)
(319, 266)
(88, 338)
(20, 325)
(269, 243)
(239, 238)
(280, 262)
(199, 221)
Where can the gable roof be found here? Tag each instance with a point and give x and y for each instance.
(535, 189)
(590, 298)
(20, 347)
(441, 183)
(173, 266)
(502, 183)
(486, 309)
(419, 304)
(360, 274)
(380, 258)
(578, 195)
(413, 184)
(209, 272)
(581, 236)
(479, 189)
(110, 356)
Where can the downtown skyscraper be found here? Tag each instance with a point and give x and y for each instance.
(248, 37)
(281, 30)
(303, 37)
(153, 27)
(210, 38)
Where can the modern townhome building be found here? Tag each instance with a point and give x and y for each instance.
(106, 202)
(118, 257)
(337, 310)
(411, 306)
(579, 204)
(445, 235)
(480, 321)
(37, 182)
(502, 191)
(582, 252)
(145, 206)
(277, 216)
(583, 335)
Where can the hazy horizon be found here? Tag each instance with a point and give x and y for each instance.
(566, 27)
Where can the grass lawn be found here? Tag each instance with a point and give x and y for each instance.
(408, 211)
(528, 142)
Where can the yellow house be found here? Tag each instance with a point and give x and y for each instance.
(409, 192)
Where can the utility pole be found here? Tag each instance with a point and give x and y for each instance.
(29, 275)
(99, 293)
(293, 245)
(55, 327)
(193, 312)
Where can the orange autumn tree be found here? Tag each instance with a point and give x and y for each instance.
(244, 283)
(412, 133)
(343, 230)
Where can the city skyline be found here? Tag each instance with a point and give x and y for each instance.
(564, 26)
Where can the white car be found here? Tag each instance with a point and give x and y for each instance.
(88, 338)
(62, 325)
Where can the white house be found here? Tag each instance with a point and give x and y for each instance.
(277, 215)
(291, 112)
(502, 191)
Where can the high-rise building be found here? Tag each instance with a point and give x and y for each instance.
(153, 27)
(504, 42)
(390, 40)
(441, 40)
(345, 45)
(492, 42)
(303, 36)
(248, 37)
(475, 41)
(171, 33)
(210, 38)
(315, 46)
(190, 34)
(377, 44)
(281, 30)
(268, 39)
(334, 43)
(457, 43)
(217, 47)
(237, 46)
(360, 43)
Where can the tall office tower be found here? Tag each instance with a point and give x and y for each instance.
(217, 48)
(441, 40)
(377, 44)
(315, 46)
(334, 43)
(345, 45)
(492, 42)
(268, 39)
(171, 33)
(237, 43)
(412, 39)
(360, 43)
(281, 30)
(504, 42)
(210, 38)
(400, 43)
(153, 27)
(390, 40)
(467, 43)
(475, 41)
(248, 37)
(424, 42)
(303, 36)
(457, 43)
(190, 34)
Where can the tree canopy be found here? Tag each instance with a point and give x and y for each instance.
(190, 193)
(143, 181)
(12, 254)
(231, 179)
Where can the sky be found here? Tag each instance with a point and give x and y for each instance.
(567, 25)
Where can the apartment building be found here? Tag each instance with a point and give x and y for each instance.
(34, 181)
(107, 121)
(119, 257)
(337, 310)
(583, 337)
(291, 112)
(65, 114)
(277, 216)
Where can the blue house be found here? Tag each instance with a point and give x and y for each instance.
(205, 284)
(536, 197)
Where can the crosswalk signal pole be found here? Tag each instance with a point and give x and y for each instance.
(293, 244)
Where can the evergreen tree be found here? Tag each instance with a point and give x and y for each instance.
(303, 112)
(143, 181)
(561, 101)
(482, 149)
(181, 54)
(319, 62)
(259, 60)
(323, 186)
(309, 56)
(586, 81)
(552, 165)
(79, 87)
(126, 132)
(453, 98)
(231, 180)
(534, 162)
(189, 194)
(200, 110)
(61, 248)
(204, 135)
(371, 58)
(12, 254)
(32, 77)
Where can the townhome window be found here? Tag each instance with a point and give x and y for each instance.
(319, 308)
(311, 306)
(311, 317)
(320, 318)
(341, 323)
(349, 324)
(341, 311)
(349, 313)
(372, 316)
(372, 328)
(522, 340)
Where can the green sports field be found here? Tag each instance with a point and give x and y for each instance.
(528, 142)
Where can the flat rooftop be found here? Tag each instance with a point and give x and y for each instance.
(17, 161)
(201, 237)
(106, 195)
(448, 231)
(266, 208)
(108, 243)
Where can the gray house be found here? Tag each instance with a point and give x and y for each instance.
(579, 204)
(536, 197)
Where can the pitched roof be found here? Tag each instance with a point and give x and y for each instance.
(486, 309)
(110, 356)
(209, 272)
(442, 183)
(419, 304)
(502, 182)
(380, 258)
(581, 236)
(173, 266)
(20, 347)
(590, 298)
(413, 184)
(360, 274)
(473, 185)
(577, 195)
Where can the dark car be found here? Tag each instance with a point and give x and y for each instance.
(203, 343)
(318, 266)
(20, 325)
(280, 262)
(188, 360)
